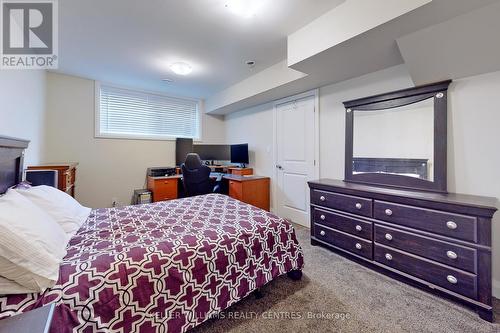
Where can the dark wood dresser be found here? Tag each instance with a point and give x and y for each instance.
(438, 241)
(66, 175)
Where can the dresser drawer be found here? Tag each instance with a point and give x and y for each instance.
(343, 223)
(448, 224)
(342, 240)
(447, 253)
(447, 277)
(348, 203)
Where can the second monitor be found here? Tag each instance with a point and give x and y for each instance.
(213, 152)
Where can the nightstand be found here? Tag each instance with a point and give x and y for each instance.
(34, 321)
(66, 175)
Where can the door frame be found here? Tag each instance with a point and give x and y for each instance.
(314, 93)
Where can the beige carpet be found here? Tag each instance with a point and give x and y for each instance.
(345, 297)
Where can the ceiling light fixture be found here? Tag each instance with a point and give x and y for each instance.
(181, 68)
(244, 8)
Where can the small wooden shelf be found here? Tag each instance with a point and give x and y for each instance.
(240, 171)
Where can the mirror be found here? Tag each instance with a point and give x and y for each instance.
(398, 139)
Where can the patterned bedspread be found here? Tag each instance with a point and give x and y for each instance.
(164, 267)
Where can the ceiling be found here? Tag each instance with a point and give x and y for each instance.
(132, 43)
(436, 41)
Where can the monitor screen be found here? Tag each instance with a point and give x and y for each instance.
(182, 148)
(42, 177)
(213, 152)
(239, 153)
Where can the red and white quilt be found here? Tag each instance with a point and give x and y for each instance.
(164, 267)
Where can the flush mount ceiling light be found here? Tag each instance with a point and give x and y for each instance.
(181, 68)
(244, 8)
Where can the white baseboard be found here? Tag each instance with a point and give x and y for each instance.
(496, 288)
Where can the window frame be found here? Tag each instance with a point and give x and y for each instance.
(97, 116)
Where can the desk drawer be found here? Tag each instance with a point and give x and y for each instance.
(348, 203)
(165, 189)
(447, 253)
(343, 223)
(441, 275)
(447, 224)
(352, 244)
(236, 190)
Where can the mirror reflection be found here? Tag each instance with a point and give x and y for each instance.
(395, 141)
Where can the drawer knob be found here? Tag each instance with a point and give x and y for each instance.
(388, 212)
(358, 205)
(322, 233)
(358, 246)
(322, 198)
(388, 236)
(452, 279)
(358, 228)
(451, 255)
(388, 256)
(322, 217)
(451, 225)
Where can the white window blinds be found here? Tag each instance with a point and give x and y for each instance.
(133, 114)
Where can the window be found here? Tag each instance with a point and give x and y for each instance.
(123, 113)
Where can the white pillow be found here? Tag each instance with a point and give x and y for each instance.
(65, 210)
(9, 287)
(32, 244)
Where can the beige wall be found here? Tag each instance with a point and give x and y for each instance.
(109, 168)
(22, 114)
(474, 115)
(255, 127)
(473, 146)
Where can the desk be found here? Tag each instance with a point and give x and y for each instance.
(254, 190)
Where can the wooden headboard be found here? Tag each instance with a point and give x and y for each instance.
(11, 161)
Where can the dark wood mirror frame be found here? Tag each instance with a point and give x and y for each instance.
(438, 91)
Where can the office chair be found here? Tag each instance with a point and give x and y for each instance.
(196, 177)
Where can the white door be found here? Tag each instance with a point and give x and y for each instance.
(295, 157)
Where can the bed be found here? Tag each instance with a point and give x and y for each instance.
(162, 267)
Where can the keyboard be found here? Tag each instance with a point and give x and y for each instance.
(216, 174)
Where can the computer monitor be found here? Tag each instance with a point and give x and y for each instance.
(42, 177)
(182, 148)
(213, 152)
(239, 154)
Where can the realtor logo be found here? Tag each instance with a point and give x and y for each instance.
(29, 34)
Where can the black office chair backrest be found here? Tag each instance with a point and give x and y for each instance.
(196, 176)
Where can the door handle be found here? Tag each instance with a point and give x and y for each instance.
(279, 167)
